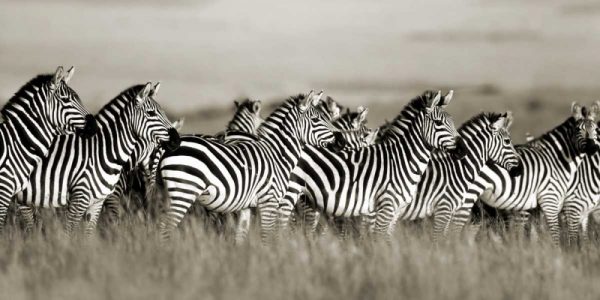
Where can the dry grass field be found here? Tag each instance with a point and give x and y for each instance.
(128, 262)
(532, 57)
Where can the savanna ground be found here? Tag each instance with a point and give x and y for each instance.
(530, 57)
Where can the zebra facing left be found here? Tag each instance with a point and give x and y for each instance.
(43, 109)
(80, 173)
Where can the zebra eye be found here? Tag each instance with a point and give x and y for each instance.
(314, 119)
(151, 113)
(438, 122)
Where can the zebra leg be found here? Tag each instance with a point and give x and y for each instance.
(312, 217)
(27, 217)
(518, 221)
(112, 205)
(267, 211)
(179, 203)
(78, 204)
(92, 214)
(442, 217)
(285, 211)
(243, 225)
(551, 210)
(584, 237)
(574, 217)
(5, 200)
(386, 215)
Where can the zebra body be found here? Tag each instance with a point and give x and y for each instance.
(229, 178)
(441, 189)
(81, 172)
(549, 165)
(379, 178)
(145, 158)
(35, 116)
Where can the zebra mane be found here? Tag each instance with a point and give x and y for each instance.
(21, 94)
(287, 105)
(490, 116)
(407, 114)
(124, 96)
(560, 127)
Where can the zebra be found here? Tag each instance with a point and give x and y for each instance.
(584, 196)
(549, 166)
(376, 180)
(229, 178)
(356, 135)
(440, 191)
(43, 109)
(142, 168)
(80, 172)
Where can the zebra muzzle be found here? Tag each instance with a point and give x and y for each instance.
(338, 143)
(516, 171)
(460, 151)
(174, 140)
(591, 147)
(90, 128)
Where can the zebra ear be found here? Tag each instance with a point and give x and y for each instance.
(446, 100)
(256, 105)
(433, 102)
(361, 117)
(594, 110)
(143, 94)
(69, 75)
(155, 89)
(178, 124)
(498, 124)
(333, 107)
(372, 136)
(509, 120)
(529, 137)
(576, 111)
(58, 76)
(305, 103)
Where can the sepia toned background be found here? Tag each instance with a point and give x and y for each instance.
(532, 57)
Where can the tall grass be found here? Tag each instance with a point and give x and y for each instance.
(127, 261)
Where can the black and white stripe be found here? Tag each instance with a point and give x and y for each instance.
(43, 109)
(378, 179)
(549, 166)
(441, 190)
(81, 172)
(230, 178)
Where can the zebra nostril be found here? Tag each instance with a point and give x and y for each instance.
(90, 128)
(516, 171)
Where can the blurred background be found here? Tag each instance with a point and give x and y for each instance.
(532, 57)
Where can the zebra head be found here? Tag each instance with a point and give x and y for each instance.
(585, 137)
(352, 133)
(438, 129)
(500, 146)
(314, 124)
(247, 116)
(150, 122)
(64, 108)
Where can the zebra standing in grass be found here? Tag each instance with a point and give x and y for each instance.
(80, 172)
(230, 178)
(583, 198)
(140, 175)
(378, 179)
(549, 166)
(442, 187)
(43, 109)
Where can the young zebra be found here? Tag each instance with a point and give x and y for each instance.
(229, 178)
(380, 178)
(549, 166)
(80, 172)
(442, 187)
(583, 198)
(41, 110)
(141, 170)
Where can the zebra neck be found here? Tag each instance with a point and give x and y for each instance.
(476, 156)
(412, 146)
(557, 144)
(115, 142)
(30, 132)
(282, 143)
